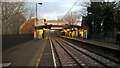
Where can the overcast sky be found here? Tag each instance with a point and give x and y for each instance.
(54, 9)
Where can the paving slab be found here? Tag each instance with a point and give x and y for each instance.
(47, 59)
(25, 54)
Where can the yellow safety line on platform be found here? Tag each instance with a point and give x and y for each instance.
(37, 64)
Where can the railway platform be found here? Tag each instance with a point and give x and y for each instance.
(34, 53)
(55, 52)
(98, 43)
(46, 58)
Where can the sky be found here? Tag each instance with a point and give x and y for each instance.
(56, 9)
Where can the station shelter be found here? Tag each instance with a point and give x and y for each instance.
(41, 29)
(74, 31)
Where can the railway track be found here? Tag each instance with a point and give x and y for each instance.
(71, 55)
(111, 54)
(63, 57)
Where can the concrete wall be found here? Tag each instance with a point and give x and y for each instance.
(9, 41)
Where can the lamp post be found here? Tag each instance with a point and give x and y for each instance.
(36, 11)
(37, 20)
(92, 24)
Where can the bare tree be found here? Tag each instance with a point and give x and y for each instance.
(0, 19)
(30, 10)
(13, 15)
(72, 18)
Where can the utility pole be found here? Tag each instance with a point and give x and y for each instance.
(37, 32)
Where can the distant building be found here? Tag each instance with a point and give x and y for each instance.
(56, 24)
(40, 22)
(42, 28)
(27, 27)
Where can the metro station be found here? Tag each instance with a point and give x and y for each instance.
(60, 34)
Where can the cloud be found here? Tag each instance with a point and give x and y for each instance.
(57, 8)
(52, 9)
